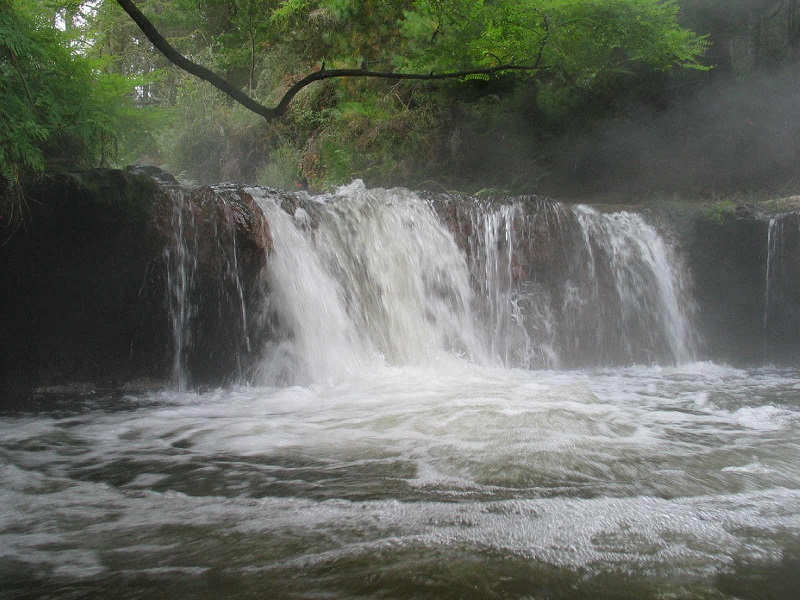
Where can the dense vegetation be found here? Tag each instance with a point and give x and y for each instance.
(57, 106)
(81, 85)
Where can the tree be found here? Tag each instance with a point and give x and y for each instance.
(58, 109)
(576, 39)
(393, 78)
(320, 75)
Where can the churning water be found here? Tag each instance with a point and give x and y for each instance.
(370, 275)
(407, 433)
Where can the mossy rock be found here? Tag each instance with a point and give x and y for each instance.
(780, 206)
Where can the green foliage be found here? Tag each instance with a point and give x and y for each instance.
(589, 51)
(721, 212)
(67, 93)
(207, 139)
(282, 169)
(59, 109)
(339, 159)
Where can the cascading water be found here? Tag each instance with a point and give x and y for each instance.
(181, 265)
(314, 336)
(644, 308)
(568, 286)
(400, 438)
(361, 275)
(531, 283)
(514, 310)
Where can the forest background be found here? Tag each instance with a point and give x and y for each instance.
(629, 100)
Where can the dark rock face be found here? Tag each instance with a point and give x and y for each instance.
(781, 321)
(746, 271)
(86, 290)
(728, 263)
(76, 302)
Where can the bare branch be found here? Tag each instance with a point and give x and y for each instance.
(543, 43)
(184, 63)
(279, 109)
(334, 73)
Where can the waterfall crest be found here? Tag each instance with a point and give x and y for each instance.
(385, 275)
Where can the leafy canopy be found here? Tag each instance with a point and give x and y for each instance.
(577, 39)
(58, 108)
(77, 77)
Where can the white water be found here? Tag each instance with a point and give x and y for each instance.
(678, 474)
(392, 448)
(375, 279)
(653, 301)
(181, 262)
(518, 317)
(374, 276)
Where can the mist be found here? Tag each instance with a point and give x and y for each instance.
(733, 129)
(730, 136)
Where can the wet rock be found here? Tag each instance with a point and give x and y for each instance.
(299, 205)
(745, 266)
(162, 177)
(781, 322)
(216, 242)
(86, 293)
(727, 260)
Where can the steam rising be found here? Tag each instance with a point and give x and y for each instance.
(729, 135)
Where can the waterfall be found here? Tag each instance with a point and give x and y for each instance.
(314, 336)
(642, 310)
(515, 310)
(385, 275)
(181, 265)
(208, 276)
(365, 275)
(782, 288)
(566, 286)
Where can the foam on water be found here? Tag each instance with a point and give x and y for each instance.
(577, 469)
(392, 435)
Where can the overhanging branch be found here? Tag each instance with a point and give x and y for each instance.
(279, 109)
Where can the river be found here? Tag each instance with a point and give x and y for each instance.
(409, 434)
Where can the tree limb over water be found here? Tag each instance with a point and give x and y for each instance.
(176, 58)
